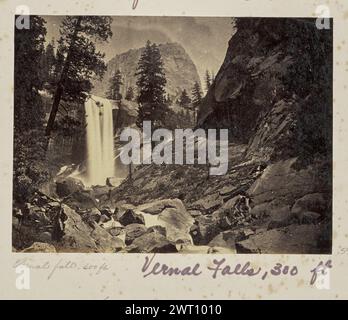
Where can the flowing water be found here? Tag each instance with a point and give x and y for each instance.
(100, 140)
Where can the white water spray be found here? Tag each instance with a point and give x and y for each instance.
(100, 140)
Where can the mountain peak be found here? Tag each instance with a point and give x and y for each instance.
(181, 72)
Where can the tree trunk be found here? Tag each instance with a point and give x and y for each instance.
(54, 110)
(60, 87)
(130, 172)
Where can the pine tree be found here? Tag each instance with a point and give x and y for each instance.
(50, 58)
(78, 59)
(151, 87)
(115, 84)
(196, 98)
(130, 94)
(208, 80)
(47, 63)
(184, 100)
(29, 168)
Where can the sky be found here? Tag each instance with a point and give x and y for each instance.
(205, 39)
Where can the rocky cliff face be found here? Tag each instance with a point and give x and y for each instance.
(267, 90)
(181, 73)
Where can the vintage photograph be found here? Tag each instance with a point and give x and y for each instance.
(196, 135)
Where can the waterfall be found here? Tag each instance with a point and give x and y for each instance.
(100, 140)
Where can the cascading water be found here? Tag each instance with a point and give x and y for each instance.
(100, 140)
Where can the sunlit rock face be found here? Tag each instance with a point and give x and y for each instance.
(181, 72)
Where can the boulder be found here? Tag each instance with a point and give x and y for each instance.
(121, 207)
(206, 229)
(103, 219)
(195, 213)
(77, 234)
(152, 243)
(209, 203)
(295, 217)
(260, 211)
(281, 181)
(228, 207)
(106, 211)
(172, 215)
(130, 217)
(40, 215)
(40, 199)
(105, 242)
(134, 231)
(276, 209)
(40, 247)
(305, 217)
(314, 202)
(223, 219)
(90, 216)
(45, 237)
(111, 224)
(81, 200)
(100, 191)
(224, 239)
(158, 229)
(294, 239)
(177, 224)
(156, 207)
(247, 232)
(280, 213)
(68, 185)
(115, 231)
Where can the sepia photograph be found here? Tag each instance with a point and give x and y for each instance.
(168, 134)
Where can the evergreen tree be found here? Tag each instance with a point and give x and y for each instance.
(208, 80)
(188, 115)
(115, 84)
(130, 94)
(184, 100)
(50, 58)
(151, 87)
(47, 63)
(197, 96)
(78, 59)
(30, 169)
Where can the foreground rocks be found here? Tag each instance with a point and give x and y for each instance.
(255, 208)
(172, 215)
(130, 217)
(39, 247)
(79, 236)
(303, 239)
(152, 242)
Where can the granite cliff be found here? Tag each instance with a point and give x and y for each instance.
(274, 88)
(181, 72)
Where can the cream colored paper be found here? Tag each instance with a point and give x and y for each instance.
(107, 276)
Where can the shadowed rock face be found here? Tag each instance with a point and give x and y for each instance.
(181, 72)
(266, 90)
